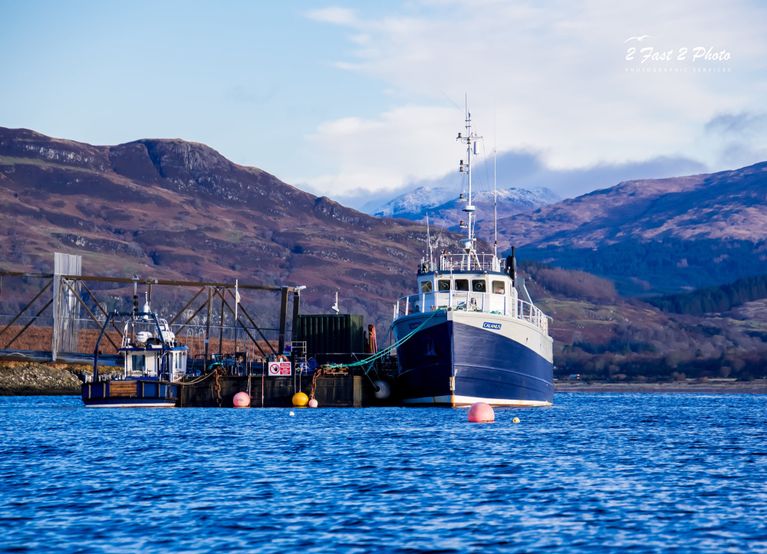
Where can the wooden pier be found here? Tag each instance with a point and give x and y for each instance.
(338, 391)
(233, 331)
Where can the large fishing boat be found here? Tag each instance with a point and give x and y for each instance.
(153, 364)
(472, 333)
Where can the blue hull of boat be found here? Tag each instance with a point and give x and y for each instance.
(143, 392)
(485, 365)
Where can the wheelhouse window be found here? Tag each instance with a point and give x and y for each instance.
(499, 287)
(462, 284)
(478, 285)
(425, 286)
(444, 285)
(138, 363)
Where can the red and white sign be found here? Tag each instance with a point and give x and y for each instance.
(279, 369)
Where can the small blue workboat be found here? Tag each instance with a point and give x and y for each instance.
(153, 365)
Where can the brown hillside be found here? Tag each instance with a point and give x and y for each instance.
(176, 209)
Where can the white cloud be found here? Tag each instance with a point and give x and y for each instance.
(551, 78)
(380, 153)
(736, 139)
(333, 14)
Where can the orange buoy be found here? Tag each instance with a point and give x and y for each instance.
(481, 412)
(313, 403)
(241, 400)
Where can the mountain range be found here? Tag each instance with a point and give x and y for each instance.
(177, 209)
(444, 208)
(168, 208)
(654, 236)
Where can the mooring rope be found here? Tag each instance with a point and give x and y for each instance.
(325, 370)
(194, 381)
(382, 353)
(217, 385)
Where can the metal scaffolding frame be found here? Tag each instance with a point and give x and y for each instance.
(218, 299)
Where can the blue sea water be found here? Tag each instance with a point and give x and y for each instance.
(596, 472)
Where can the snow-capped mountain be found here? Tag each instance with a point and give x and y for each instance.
(443, 206)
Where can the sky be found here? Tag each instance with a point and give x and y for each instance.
(361, 100)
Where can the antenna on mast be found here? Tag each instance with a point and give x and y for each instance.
(470, 139)
(495, 204)
(428, 243)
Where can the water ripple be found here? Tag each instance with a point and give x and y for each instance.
(609, 472)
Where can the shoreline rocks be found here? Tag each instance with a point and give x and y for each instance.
(38, 379)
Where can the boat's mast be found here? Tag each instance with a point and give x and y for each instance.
(469, 164)
(470, 139)
(495, 205)
(428, 243)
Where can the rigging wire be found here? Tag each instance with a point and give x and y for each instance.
(386, 351)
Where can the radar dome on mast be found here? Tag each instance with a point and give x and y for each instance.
(147, 308)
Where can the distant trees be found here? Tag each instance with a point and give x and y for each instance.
(652, 367)
(571, 284)
(601, 336)
(714, 299)
(637, 266)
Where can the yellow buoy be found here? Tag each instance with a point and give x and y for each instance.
(515, 420)
(300, 399)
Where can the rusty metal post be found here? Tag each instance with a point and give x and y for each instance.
(221, 329)
(296, 314)
(207, 327)
(283, 319)
(294, 338)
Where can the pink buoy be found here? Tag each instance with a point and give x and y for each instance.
(241, 400)
(481, 413)
(313, 403)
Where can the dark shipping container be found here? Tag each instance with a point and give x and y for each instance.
(331, 334)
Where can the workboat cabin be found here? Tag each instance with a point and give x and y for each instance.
(152, 351)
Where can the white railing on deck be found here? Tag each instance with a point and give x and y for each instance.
(498, 304)
(469, 262)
